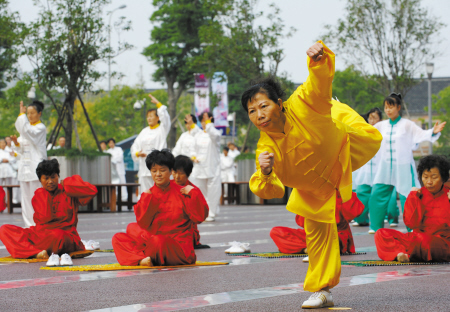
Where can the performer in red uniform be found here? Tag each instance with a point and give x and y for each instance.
(55, 214)
(2, 199)
(163, 234)
(182, 169)
(427, 213)
(294, 240)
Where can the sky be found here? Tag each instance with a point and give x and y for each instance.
(308, 17)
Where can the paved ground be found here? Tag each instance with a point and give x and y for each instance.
(247, 284)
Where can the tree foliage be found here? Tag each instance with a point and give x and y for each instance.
(441, 104)
(63, 45)
(392, 39)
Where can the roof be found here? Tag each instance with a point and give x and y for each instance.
(417, 98)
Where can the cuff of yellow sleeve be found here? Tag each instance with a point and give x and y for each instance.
(268, 177)
(192, 126)
(21, 114)
(193, 158)
(15, 154)
(137, 154)
(17, 145)
(158, 105)
(208, 121)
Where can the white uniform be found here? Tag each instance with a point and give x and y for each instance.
(31, 151)
(15, 165)
(395, 164)
(234, 154)
(227, 168)
(118, 169)
(186, 146)
(148, 140)
(7, 172)
(207, 171)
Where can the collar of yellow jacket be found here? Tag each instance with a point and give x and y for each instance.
(287, 128)
(35, 123)
(154, 127)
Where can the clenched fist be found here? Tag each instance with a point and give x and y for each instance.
(266, 160)
(315, 52)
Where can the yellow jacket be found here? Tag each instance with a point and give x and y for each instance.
(323, 142)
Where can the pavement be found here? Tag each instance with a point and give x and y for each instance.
(246, 284)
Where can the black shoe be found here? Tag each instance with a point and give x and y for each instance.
(200, 246)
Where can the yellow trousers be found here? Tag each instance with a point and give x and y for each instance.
(324, 268)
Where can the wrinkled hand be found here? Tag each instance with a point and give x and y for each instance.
(266, 161)
(14, 139)
(23, 108)
(196, 160)
(415, 189)
(11, 153)
(185, 190)
(315, 52)
(154, 100)
(148, 191)
(141, 154)
(438, 127)
(5, 160)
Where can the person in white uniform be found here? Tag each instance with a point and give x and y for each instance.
(30, 149)
(14, 181)
(152, 137)
(117, 166)
(7, 172)
(395, 162)
(207, 158)
(227, 166)
(233, 153)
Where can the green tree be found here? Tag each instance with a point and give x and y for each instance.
(11, 36)
(352, 88)
(392, 39)
(441, 104)
(176, 45)
(63, 45)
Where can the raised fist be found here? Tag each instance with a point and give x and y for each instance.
(315, 52)
(266, 161)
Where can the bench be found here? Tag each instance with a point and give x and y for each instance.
(233, 193)
(107, 196)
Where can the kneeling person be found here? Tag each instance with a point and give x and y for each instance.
(55, 214)
(181, 172)
(163, 234)
(427, 213)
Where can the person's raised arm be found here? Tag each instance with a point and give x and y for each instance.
(74, 186)
(35, 134)
(163, 114)
(413, 210)
(264, 182)
(146, 209)
(195, 204)
(432, 135)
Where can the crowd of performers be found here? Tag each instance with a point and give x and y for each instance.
(319, 147)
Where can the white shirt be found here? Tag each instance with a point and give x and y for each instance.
(395, 162)
(186, 143)
(117, 159)
(6, 169)
(150, 139)
(207, 152)
(32, 149)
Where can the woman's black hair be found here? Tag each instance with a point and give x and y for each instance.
(225, 148)
(47, 167)
(209, 116)
(269, 86)
(375, 110)
(434, 161)
(163, 158)
(38, 106)
(393, 99)
(194, 119)
(184, 163)
(111, 139)
(156, 113)
(102, 142)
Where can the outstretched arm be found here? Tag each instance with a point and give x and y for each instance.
(74, 186)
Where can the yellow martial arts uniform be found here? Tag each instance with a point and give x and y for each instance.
(323, 142)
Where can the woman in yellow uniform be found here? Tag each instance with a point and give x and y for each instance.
(312, 144)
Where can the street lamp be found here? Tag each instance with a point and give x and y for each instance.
(232, 117)
(139, 105)
(430, 68)
(31, 93)
(109, 44)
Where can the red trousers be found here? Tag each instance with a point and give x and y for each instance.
(419, 246)
(136, 244)
(25, 243)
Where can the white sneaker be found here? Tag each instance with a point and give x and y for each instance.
(355, 224)
(393, 225)
(319, 299)
(305, 259)
(237, 247)
(53, 260)
(66, 260)
(371, 231)
(210, 219)
(91, 245)
(386, 221)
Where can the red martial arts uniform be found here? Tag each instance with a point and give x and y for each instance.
(294, 240)
(2, 199)
(56, 218)
(163, 230)
(428, 216)
(201, 201)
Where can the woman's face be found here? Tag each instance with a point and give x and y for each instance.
(161, 175)
(374, 118)
(152, 118)
(392, 110)
(33, 115)
(50, 183)
(180, 177)
(2, 144)
(264, 113)
(432, 180)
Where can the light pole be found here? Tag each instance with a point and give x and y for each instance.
(31, 93)
(139, 105)
(430, 68)
(109, 44)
